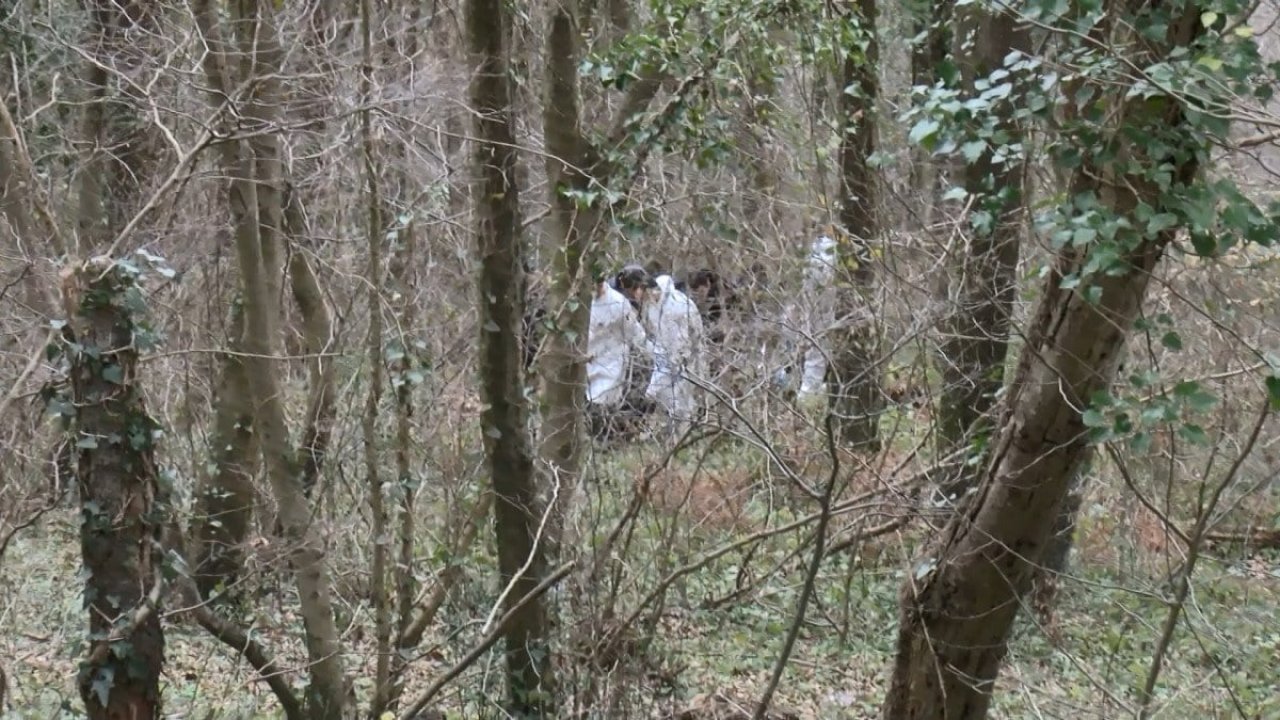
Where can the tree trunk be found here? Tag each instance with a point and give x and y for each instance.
(931, 24)
(976, 340)
(121, 520)
(856, 395)
(564, 370)
(379, 530)
(327, 693)
(530, 686)
(227, 496)
(122, 143)
(959, 603)
(259, 49)
(317, 324)
(1058, 552)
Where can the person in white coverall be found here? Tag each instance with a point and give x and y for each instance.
(614, 333)
(819, 313)
(675, 329)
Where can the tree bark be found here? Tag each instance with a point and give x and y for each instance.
(931, 23)
(121, 520)
(122, 143)
(379, 531)
(227, 496)
(327, 693)
(317, 324)
(854, 375)
(530, 685)
(976, 340)
(261, 57)
(564, 370)
(959, 603)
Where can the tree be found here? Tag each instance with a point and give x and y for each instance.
(121, 506)
(508, 447)
(575, 218)
(122, 147)
(960, 601)
(990, 168)
(587, 168)
(931, 62)
(856, 395)
(227, 495)
(247, 170)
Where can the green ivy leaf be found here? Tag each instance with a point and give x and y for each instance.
(973, 150)
(113, 374)
(1273, 391)
(102, 683)
(1172, 340)
(1194, 434)
(925, 133)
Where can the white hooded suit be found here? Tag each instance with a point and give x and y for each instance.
(614, 332)
(675, 327)
(819, 276)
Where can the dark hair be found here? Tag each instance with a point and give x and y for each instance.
(634, 276)
(704, 278)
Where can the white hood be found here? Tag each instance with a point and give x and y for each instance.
(675, 326)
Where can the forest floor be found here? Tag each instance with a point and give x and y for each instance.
(716, 640)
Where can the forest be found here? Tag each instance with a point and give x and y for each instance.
(299, 347)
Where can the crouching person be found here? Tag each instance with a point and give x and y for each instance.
(615, 334)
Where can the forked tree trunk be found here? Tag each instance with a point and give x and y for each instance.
(960, 602)
(508, 447)
(575, 165)
(120, 521)
(983, 288)
(327, 692)
(317, 323)
(856, 394)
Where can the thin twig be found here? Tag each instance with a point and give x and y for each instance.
(1193, 554)
(494, 635)
(806, 592)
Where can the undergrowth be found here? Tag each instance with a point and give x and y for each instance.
(719, 630)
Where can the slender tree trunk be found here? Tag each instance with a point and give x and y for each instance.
(318, 330)
(380, 535)
(758, 207)
(856, 393)
(959, 603)
(403, 374)
(122, 143)
(121, 520)
(260, 57)
(972, 352)
(227, 496)
(327, 693)
(1057, 552)
(931, 23)
(530, 685)
(930, 62)
(26, 210)
(564, 369)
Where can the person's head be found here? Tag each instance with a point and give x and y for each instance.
(632, 281)
(704, 284)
